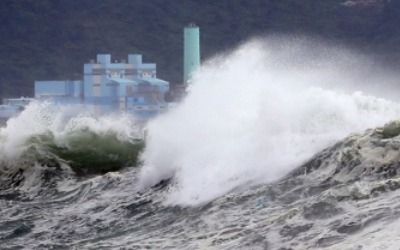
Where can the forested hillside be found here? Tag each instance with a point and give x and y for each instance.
(51, 39)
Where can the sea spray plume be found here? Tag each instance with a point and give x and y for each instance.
(254, 115)
(35, 119)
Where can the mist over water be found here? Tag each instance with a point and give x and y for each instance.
(254, 114)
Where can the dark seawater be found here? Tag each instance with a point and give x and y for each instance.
(272, 148)
(341, 199)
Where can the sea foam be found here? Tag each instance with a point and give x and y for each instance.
(253, 115)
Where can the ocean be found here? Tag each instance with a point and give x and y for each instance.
(281, 143)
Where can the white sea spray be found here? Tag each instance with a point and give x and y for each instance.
(255, 114)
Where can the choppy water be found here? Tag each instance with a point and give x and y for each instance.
(269, 150)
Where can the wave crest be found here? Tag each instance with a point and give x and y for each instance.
(256, 114)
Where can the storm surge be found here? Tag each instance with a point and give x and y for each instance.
(283, 143)
(253, 115)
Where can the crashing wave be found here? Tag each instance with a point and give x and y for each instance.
(372, 157)
(45, 143)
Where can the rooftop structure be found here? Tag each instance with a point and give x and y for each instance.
(130, 86)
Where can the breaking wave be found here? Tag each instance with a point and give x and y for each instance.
(253, 116)
(45, 135)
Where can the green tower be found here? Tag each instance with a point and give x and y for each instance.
(191, 51)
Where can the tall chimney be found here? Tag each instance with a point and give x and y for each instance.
(191, 51)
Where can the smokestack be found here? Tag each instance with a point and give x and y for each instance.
(191, 51)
